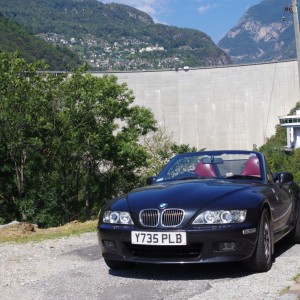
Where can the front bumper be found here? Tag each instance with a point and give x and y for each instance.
(204, 245)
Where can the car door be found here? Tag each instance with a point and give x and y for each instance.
(282, 202)
(283, 205)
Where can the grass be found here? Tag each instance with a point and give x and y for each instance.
(23, 232)
(284, 291)
(296, 278)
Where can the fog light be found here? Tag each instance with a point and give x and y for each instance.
(227, 246)
(110, 244)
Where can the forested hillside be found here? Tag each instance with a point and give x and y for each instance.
(16, 38)
(114, 36)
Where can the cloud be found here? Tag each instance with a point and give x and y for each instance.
(204, 8)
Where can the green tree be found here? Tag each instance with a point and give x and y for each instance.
(24, 105)
(273, 150)
(67, 143)
(100, 134)
(278, 159)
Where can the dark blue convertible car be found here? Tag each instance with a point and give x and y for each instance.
(203, 207)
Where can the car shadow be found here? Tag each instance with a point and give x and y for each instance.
(182, 272)
(194, 271)
(282, 246)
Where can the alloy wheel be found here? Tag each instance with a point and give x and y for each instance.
(267, 240)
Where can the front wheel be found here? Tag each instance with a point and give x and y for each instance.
(118, 264)
(261, 260)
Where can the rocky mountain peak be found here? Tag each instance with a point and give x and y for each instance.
(261, 35)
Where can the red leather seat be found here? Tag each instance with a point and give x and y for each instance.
(252, 167)
(205, 170)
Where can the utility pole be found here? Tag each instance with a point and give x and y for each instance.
(297, 34)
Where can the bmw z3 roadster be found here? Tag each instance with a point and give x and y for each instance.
(203, 207)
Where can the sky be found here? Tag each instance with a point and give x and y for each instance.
(213, 17)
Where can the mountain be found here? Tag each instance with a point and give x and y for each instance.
(114, 36)
(16, 38)
(264, 33)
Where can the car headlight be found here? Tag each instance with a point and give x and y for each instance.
(117, 217)
(221, 217)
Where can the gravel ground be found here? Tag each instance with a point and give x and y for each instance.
(72, 268)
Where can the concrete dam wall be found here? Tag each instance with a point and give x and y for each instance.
(233, 107)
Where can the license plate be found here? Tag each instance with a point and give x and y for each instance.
(158, 238)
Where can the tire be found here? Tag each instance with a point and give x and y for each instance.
(261, 260)
(118, 264)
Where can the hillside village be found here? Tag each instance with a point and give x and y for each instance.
(120, 55)
(113, 37)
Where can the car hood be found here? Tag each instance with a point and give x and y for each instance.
(191, 194)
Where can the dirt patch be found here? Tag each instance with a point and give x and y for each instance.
(18, 229)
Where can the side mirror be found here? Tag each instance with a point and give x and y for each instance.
(150, 180)
(285, 177)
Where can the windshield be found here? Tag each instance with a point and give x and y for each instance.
(245, 165)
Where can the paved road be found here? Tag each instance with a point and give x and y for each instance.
(72, 268)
